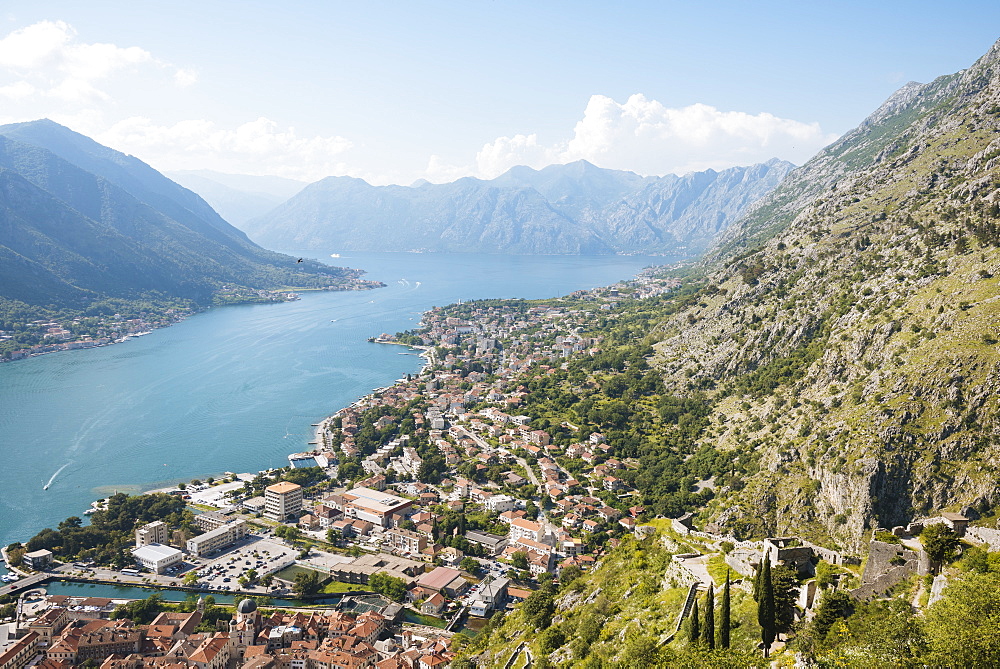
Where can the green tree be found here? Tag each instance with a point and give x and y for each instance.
(569, 574)
(765, 607)
(833, 607)
(307, 583)
(520, 560)
(142, 611)
(964, 625)
(538, 608)
(469, 564)
(694, 626)
(725, 616)
(551, 639)
(940, 542)
(784, 585)
(710, 618)
(392, 587)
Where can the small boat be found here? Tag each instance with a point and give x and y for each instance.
(45, 487)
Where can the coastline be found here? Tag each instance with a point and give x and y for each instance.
(322, 428)
(274, 297)
(343, 404)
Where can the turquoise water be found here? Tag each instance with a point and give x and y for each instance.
(236, 388)
(73, 589)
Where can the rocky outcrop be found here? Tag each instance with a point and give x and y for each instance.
(846, 331)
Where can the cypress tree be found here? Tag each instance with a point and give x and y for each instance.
(756, 582)
(724, 615)
(765, 607)
(694, 631)
(710, 617)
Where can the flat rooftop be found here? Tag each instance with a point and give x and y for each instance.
(155, 552)
(374, 500)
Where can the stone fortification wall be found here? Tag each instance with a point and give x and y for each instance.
(678, 575)
(743, 560)
(986, 535)
(888, 565)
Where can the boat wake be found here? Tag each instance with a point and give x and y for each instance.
(58, 471)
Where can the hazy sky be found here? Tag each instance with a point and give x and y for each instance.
(396, 91)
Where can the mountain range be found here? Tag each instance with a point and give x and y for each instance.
(80, 222)
(238, 197)
(562, 209)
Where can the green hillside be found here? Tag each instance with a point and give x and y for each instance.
(829, 369)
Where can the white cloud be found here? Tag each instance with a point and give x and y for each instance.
(48, 57)
(185, 78)
(256, 147)
(647, 137)
(20, 90)
(439, 171)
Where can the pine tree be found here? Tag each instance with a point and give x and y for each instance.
(724, 616)
(765, 607)
(694, 631)
(756, 582)
(710, 617)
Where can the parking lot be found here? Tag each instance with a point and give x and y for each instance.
(216, 495)
(265, 556)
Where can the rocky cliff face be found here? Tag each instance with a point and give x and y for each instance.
(568, 209)
(849, 325)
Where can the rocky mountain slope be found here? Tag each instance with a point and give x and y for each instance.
(575, 209)
(238, 197)
(80, 222)
(848, 327)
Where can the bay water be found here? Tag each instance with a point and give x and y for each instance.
(235, 388)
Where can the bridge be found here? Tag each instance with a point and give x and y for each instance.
(25, 584)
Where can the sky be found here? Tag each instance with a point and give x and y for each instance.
(396, 91)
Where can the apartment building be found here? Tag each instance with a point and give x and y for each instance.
(282, 500)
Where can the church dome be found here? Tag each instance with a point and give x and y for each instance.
(246, 606)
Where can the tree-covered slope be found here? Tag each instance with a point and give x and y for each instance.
(108, 225)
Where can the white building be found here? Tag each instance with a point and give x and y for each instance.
(220, 537)
(524, 529)
(282, 500)
(151, 533)
(492, 596)
(499, 503)
(157, 558)
(373, 505)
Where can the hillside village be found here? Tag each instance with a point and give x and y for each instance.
(452, 504)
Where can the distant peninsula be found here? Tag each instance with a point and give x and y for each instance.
(96, 245)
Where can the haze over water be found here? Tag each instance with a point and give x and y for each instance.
(236, 388)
